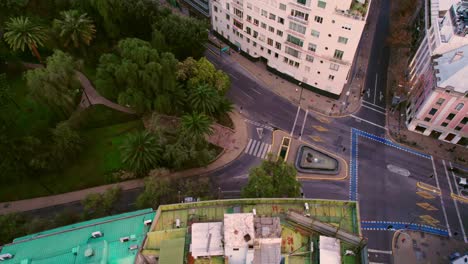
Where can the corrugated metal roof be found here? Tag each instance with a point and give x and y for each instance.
(56, 245)
(172, 251)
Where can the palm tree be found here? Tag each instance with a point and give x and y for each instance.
(75, 28)
(22, 32)
(196, 126)
(141, 152)
(204, 99)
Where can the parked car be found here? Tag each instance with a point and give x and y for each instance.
(463, 183)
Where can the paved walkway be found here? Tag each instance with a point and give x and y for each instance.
(233, 141)
(90, 95)
(416, 247)
(347, 104)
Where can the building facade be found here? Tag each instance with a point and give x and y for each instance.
(438, 74)
(312, 42)
(200, 6)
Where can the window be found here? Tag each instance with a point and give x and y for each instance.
(433, 111)
(249, 19)
(440, 101)
(458, 128)
(248, 40)
(334, 67)
(296, 64)
(450, 136)
(444, 124)
(270, 41)
(296, 27)
(272, 16)
(427, 119)
(282, 6)
(450, 116)
(248, 30)
(321, 4)
(228, 17)
(338, 54)
(255, 34)
(238, 24)
(278, 45)
(318, 19)
(271, 29)
(281, 20)
(295, 40)
(302, 2)
(309, 58)
(292, 52)
(312, 47)
(249, 6)
(215, 8)
(238, 13)
(216, 18)
(264, 13)
(256, 22)
(263, 25)
(279, 33)
(254, 43)
(459, 106)
(228, 27)
(342, 40)
(464, 121)
(227, 6)
(347, 27)
(420, 129)
(315, 33)
(299, 14)
(331, 77)
(285, 60)
(269, 52)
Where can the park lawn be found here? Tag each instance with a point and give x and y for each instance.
(92, 167)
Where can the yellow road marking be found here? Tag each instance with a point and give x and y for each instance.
(459, 198)
(323, 119)
(429, 220)
(427, 206)
(429, 188)
(320, 128)
(316, 138)
(425, 195)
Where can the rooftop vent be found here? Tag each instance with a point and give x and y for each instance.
(133, 247)
(89, 252)
(458, 55)
(5, 256)
(124, 239)
(247, 237)
(148, 222)
(97, 234)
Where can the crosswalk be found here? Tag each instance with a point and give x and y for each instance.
(257, 148)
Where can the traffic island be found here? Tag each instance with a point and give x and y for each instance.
(311, 162)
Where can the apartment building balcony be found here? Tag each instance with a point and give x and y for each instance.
(357, 10)
(295, 4)
(299, 20)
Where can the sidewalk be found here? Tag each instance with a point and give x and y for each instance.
(233, 142)
(350, 99)
(417, 247)
(398, 132)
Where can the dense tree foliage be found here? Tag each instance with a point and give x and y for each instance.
(75, 28)
(272, 179)
(55, 85)
(141, 152)
(99, 205)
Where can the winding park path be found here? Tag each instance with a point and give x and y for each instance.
(90, 95)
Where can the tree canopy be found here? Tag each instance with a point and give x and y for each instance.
(75, 28)
(272, 179)
(141, 152)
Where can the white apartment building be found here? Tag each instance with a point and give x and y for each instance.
(309, 42)
(438, 73)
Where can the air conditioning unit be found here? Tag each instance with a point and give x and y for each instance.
(133, 247)
(124, 239)
(148, 222)
(5, 256)
(97, 234)
(177, 223)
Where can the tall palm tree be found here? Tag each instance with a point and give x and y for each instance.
(204, 99)
(75, 28)
(196, 126)
(22, 32)
(141, 152)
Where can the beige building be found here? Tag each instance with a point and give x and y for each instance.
(310, 42)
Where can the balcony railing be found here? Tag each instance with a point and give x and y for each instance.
(296, 19)
(350, 14)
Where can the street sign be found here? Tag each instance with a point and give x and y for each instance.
(260, 132)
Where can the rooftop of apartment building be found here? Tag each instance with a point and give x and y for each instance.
(112, 239)
(452, 69)
(255, 231)
(451, 20)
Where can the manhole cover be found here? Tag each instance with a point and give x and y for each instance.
(398, 170)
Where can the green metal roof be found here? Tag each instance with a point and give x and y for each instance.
(172, 251)
(68, 244)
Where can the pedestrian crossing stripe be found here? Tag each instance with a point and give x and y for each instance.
(320, 128)
(257, 148)
(267, 127)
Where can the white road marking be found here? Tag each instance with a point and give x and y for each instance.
(358, 118)
(379, 251)
(258, 124)
(378, 106)
(303, 123)
(363, 105)
(254, 145)
(375, 86)
(255, 90)
(260, 150)
(454, 178)
(441, 200)
(248, 145)
(257, 148)
(295, 120)
(246, 94)
(455, 203)
(232, 75)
